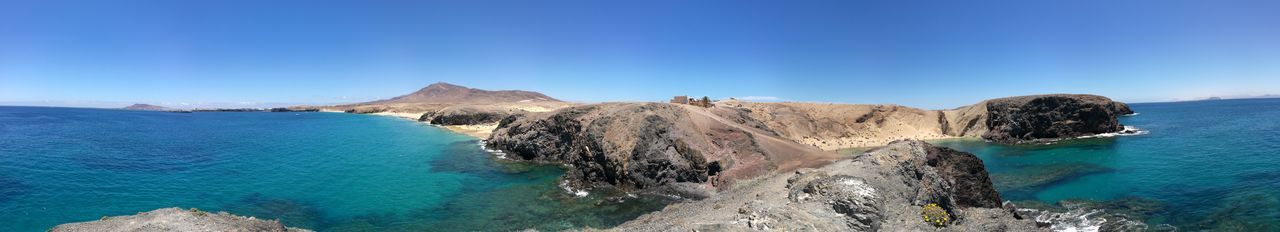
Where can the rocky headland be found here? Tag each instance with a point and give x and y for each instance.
(684, 149)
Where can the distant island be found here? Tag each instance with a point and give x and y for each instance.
(148, 107)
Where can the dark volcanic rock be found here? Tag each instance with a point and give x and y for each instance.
(967, 175)
(1031, 118)
(656, 154)
(677, 148)
(882, 190)
(467, 115)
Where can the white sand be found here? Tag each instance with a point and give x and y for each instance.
(481, 131)
(410, 116)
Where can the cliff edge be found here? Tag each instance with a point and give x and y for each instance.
(883, 189)
(684, 149)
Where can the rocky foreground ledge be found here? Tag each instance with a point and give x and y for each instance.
(176, 219)
(882, 190)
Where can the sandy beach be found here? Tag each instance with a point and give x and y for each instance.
(410, 116)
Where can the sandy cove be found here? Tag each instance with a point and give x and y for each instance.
(479, 131)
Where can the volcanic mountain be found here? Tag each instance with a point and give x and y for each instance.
(147, 107)
(445, 93)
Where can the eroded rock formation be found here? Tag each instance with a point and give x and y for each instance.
(644, 145)
(1031, 118)
(884, 189)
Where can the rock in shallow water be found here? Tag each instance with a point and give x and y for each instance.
(176, 219)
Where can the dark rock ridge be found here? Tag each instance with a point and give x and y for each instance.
(176, 219)
(967, 175)
(649, 154)
(1040, 117)
(646, 145)
(468, 115)
(883, 189)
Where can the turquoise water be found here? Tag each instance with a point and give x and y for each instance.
(1210, 165)
(323, 171)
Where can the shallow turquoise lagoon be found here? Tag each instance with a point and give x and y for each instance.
(323, 171)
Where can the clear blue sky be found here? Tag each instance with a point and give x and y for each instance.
(933, 54)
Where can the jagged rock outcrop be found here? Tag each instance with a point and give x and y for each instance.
(1058, 116)
(468, 115)
(646, 145)
(967, 176)
(176, 219)
(884, 189)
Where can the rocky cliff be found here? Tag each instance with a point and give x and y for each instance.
(678, 148)
(1047, 117)
(883, 189)
(175, 219)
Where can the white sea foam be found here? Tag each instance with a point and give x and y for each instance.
(1128, 130)
(1133, 114)
(576, 192)
(1073, 221)
(497, 153)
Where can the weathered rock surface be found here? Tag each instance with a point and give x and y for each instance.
(176, 219)
(884, 189)
(646, 145)
(1031, 118)
(468, 115)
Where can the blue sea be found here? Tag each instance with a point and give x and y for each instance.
(321, 171)
(1203, 165)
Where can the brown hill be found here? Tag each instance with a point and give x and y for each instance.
(445, 93)
(683, 149)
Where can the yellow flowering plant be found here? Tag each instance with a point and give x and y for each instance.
(934, 214)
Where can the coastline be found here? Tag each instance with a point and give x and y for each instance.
(478, 131)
